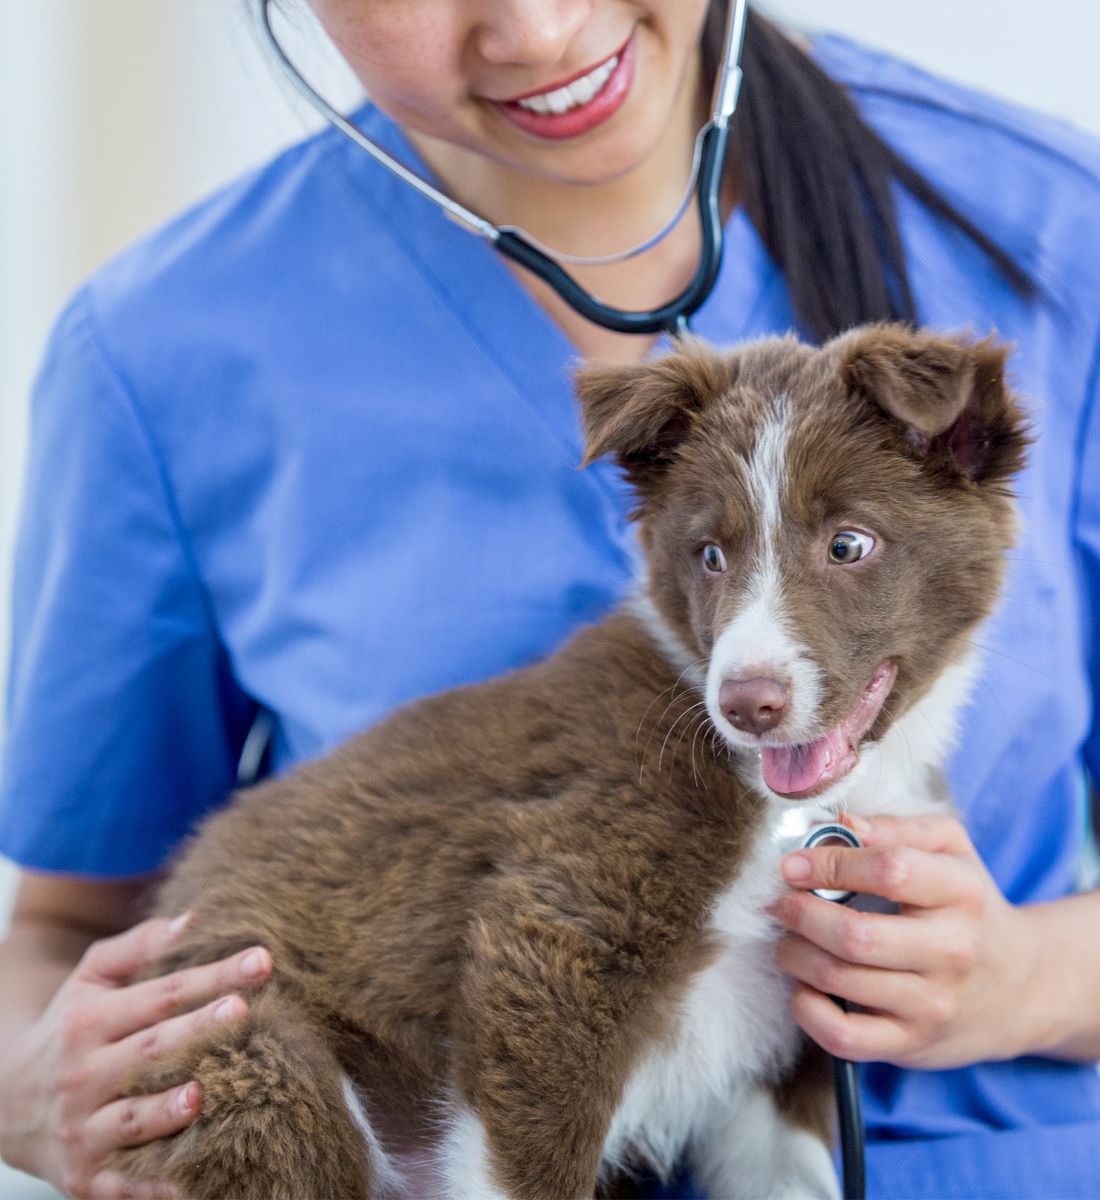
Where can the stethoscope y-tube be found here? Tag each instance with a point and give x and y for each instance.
(672, 317)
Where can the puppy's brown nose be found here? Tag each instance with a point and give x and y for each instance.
(753, 705)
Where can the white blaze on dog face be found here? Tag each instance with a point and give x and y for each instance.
(759, 641)
(823, 527)
(770, 670)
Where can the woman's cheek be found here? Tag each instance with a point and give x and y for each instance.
(408, 55)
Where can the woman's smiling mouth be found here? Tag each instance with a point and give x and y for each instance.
(568, 109)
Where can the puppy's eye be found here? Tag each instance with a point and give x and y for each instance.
(713, 559)
(849, 547)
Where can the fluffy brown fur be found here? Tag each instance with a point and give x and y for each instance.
(500, 895)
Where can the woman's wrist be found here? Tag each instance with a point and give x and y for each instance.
(1059, 1007)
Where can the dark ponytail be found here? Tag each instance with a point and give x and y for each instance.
(816, 183)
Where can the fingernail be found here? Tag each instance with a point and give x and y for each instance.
(189, 1097)
(254, 964)
(226, 1009)
(859, 824)
(177, 923)
(796, 867)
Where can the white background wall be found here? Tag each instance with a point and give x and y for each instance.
(115, 113)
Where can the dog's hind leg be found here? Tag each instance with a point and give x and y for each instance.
(772, 1143)
(752, 1152)
(278, 1121)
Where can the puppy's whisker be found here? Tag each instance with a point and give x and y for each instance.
(991, 692)
(899, 731)
(654, 727)
(685, 713)
(1008, 657)
(674, 684)
(656, 724)
(1042, 562)
(653, 730)
(698, 724)
(704, 723)
(1039, 608)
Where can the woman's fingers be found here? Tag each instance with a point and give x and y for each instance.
(856, 1036)
(934, 833)
(136, 1120)
(870, 987)
(114, 961)
(142, 1005)
(111, 1064)
(110, 1185)
(870, 939)
(913, 877)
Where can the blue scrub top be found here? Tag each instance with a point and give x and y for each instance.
(311, 451)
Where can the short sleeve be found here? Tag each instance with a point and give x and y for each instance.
(124, 723)
(1088, 541)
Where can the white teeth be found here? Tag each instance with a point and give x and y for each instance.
(560, 101)
(573, 95)
(582, 90)
(537, 104)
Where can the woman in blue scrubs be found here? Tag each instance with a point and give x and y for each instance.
(309, 452)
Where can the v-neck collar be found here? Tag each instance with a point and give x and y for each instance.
(499, 314)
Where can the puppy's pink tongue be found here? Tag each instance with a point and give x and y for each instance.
(796, 771)
(790, 770)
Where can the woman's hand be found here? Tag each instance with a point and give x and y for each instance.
(62, 1109)
(940, 984)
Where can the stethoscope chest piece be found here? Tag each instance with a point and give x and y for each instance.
(832, 834)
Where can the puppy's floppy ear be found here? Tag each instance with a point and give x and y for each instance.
(948, 396)
(642, 412)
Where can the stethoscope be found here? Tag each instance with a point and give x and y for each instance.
(704, 184)
(673, 318)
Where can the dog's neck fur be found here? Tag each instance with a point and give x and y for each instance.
(901, 774)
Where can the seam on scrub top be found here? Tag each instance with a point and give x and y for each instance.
(1024, 139)
(1091, 409)
(97, 341)
(908, 95)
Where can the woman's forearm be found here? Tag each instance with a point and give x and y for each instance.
(54, 920)
(35, 959)
(1063, 1004)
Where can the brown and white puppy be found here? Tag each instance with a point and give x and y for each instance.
(518, 928)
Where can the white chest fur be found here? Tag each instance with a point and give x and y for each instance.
(732, 1028)
(902, 774)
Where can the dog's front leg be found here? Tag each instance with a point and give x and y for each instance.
(540, 1060)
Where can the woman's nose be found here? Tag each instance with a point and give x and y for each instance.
(529, 32)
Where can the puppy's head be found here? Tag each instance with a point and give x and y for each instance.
(823, 527)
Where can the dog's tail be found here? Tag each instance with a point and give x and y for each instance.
(278, 1119)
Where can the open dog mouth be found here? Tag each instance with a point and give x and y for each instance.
(800, 772)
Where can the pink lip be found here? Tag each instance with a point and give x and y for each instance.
(580, 120)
